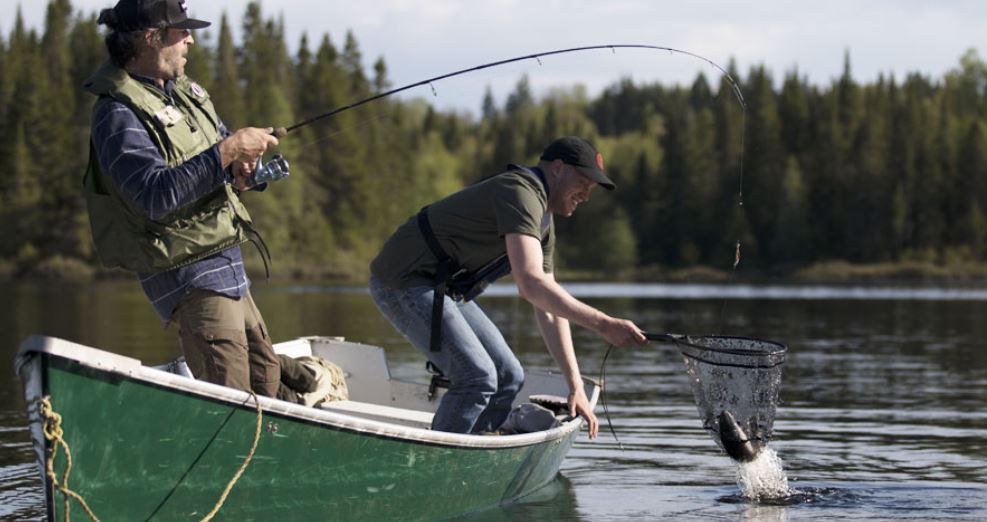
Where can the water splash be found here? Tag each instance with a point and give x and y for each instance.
(763, 479)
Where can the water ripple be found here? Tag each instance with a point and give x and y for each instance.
(712, 291)
(21, 493)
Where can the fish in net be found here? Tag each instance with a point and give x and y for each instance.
(735, 381)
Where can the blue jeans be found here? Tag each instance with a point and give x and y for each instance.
(483, 372)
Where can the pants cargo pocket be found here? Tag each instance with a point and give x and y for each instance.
(219, 356)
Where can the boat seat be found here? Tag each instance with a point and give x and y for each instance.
(378, 412)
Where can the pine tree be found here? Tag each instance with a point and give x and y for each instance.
(521, 98)
(6, 91)
(352, 63)
(225, 90)
(675, 241)
(868, 185)
(968, 85)
(266, 71)
(789, 246)
(972, 173)
(925, 185)
(489, 110)
(634, 164)
(861, 172)
(21, 199)
(88, 53)
(764, 162)
(381, 82)
(793, 113)
(58, 156)
(17, 107)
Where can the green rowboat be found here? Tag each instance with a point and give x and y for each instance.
(150, 444)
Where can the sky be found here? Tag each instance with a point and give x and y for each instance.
(420, 39)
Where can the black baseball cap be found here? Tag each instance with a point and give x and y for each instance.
(579, 153)
(134, 15)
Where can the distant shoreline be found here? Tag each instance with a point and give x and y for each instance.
(828, 272)
(59, 269)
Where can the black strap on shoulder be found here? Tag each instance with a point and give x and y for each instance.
(426, 228)
(452, 280)
(511, 167)
(444, 269)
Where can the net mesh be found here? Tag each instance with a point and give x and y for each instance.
(734, 379)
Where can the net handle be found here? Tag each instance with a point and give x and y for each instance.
(665, 337)
(684, 340)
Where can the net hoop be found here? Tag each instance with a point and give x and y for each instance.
(732, 351)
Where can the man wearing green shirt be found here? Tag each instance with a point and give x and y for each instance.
(508, 216)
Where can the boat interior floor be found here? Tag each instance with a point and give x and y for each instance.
(378, 412)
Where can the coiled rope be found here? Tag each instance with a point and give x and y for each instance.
(52, 428)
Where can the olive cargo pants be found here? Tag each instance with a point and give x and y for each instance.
(225, 341)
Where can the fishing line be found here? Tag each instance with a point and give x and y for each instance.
(603, 396)
(740, 201)
(195, 461)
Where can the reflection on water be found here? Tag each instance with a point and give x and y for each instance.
(746, 292)
(882, 410)
(555, 501)
(831, 497)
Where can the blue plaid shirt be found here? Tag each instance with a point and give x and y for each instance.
(129, 157)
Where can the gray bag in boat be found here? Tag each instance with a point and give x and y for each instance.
(528, 418)
(735, 381)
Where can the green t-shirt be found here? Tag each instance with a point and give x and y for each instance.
(470, 226)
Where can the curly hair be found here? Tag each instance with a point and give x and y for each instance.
(124, 45)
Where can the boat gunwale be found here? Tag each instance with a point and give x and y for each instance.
(132, 369)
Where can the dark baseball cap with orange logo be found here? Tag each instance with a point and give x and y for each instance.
(579, 153)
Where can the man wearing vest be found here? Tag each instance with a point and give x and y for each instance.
(436, 262)
(161, 198)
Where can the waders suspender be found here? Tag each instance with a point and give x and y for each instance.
(448, 271)
(446, 268)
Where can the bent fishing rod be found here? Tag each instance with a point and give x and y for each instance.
(281, 132)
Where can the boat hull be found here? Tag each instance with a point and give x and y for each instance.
(143, 449)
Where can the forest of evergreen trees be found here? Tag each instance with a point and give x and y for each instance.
(893, 172)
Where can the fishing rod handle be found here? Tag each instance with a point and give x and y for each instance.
(280, 132)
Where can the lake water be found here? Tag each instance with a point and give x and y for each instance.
(883, 411)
